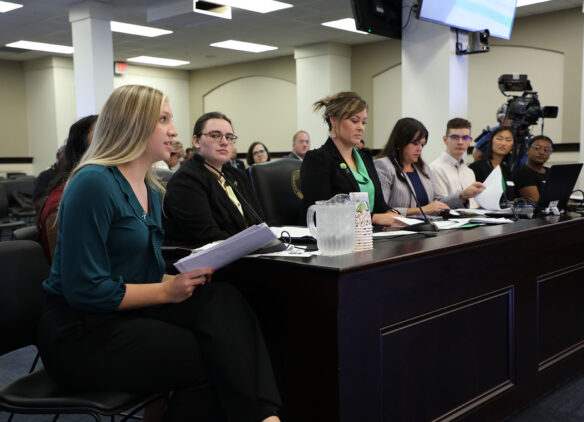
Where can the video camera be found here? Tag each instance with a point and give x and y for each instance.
(524, 110)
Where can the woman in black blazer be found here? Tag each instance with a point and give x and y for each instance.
(337, 166)
(200, 206)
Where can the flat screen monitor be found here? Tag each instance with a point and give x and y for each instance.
(472, 15)
(380, 17)
(559, 186)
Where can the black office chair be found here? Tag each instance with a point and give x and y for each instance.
(7, 224)
(19, 194)
(26, 233)
(163, 175)
(24, 267)
(277, 186)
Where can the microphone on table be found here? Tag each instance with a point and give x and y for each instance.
(427, 225)
(274, 246)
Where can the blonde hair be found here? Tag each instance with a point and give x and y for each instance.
(340, 106)
(123, 129)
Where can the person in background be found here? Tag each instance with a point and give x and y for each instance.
(111, 317)
(44, 178)
(189, 154)
(451, 175)
(300, 145)
(257, 153)
(176, 155)
(499, 153)
(201, 205)
(79, 139)
(234, 162)
(530, 178)
(337, 166)
(482, 141)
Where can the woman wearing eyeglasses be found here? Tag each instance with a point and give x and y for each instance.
(530, 178)
(207, 200)
(257, 154)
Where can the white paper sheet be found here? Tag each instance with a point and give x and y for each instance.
(490, 197)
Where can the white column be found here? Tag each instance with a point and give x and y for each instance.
(321, 70)
(93, 57)
(434, 79)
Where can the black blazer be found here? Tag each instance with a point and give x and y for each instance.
(322, 177)
(197, 209)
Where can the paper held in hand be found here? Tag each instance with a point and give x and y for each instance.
(227, 251)
(489, 198)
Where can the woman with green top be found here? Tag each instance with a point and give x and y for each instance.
(337, 166)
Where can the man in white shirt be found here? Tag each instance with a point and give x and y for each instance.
(450, 174)
(300, 145)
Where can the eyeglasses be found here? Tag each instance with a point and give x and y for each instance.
(457, 138)
(540, 148)
(217, 136)
(260, 151)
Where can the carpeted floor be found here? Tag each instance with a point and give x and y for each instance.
(565, 404)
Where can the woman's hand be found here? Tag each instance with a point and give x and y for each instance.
(386, 219)
(471, 191)
(434, 207)
(179, 288)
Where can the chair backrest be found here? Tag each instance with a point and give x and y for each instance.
(4, 209)
(22, 187)
(26, 233)
(24, 268)
(163, 175)
(277, 186)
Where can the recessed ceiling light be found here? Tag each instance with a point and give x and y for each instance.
(243, 46)
(521, 3)
(145, 31)
(260, 6)
(347, 24)
(6, 6)
(52, 48)
(158, 61)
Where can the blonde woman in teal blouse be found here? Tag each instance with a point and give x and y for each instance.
(112, 317)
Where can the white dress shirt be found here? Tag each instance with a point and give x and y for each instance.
(451, 177)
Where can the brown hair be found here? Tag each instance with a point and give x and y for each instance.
(340, 106)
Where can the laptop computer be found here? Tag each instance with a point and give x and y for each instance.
(558, 187)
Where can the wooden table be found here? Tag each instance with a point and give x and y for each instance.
(471, 324)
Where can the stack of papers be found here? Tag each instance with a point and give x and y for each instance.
(220, 254)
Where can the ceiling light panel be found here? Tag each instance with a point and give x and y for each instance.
(243, 46)
(39, 46)
(260, 6)
(158, 61)
(144, 31)
(6, 6)
(347, 24)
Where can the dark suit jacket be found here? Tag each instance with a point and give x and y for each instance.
(198, 210)
(238, 164)
(322, 177)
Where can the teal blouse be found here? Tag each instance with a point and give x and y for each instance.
(363, 179)
(105, 240)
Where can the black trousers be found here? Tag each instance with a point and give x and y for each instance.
(207, 350)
